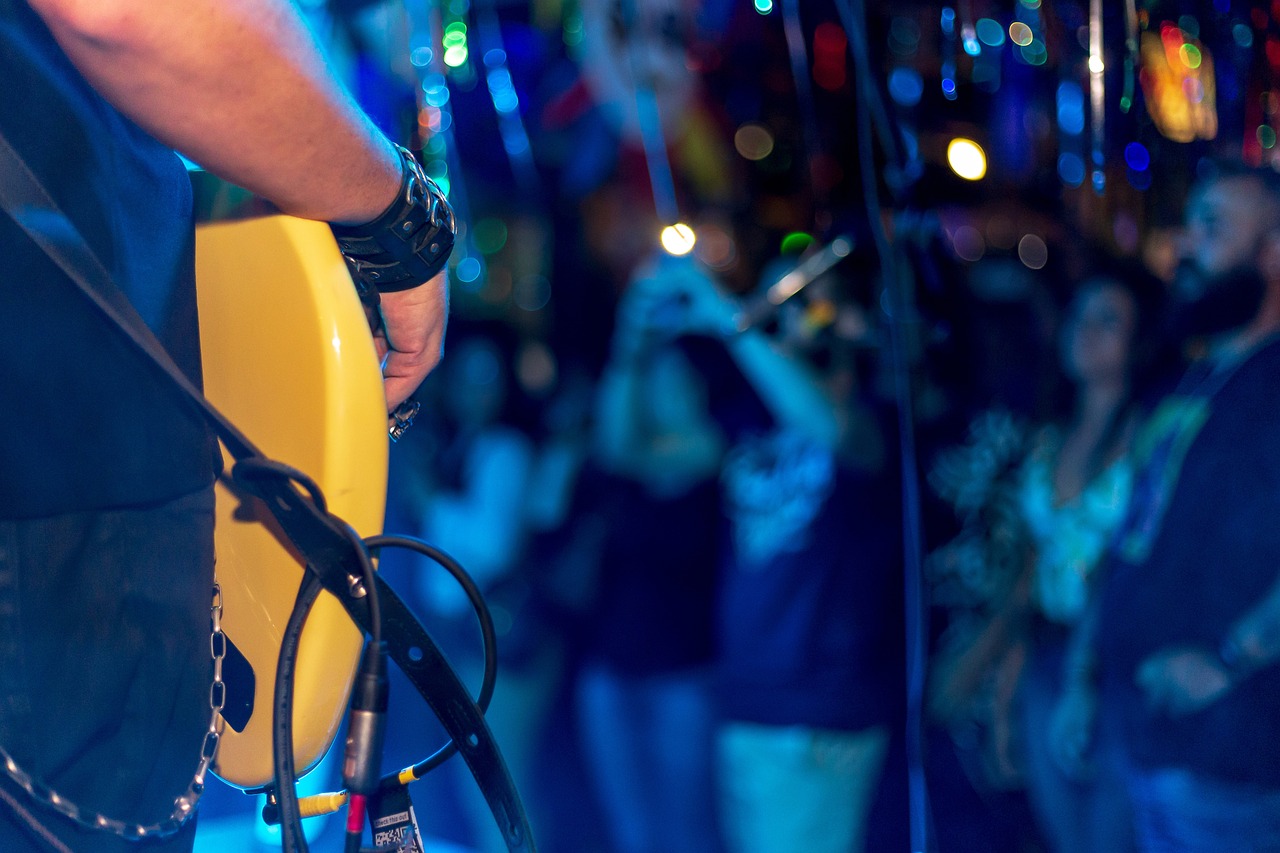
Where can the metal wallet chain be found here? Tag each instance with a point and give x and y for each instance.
(184, 806)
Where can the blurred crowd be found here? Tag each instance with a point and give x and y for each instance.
(695, 559)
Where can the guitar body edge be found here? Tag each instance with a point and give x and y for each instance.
(288, 358)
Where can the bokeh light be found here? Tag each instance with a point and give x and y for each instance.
(468, 269)
(1137, 156)
(532, 293)
(1033, 252)
(906, 86)
(678, 239)
(1070, 103)
(904, 36)
(753, 141)
(990, 32)
(968, 243)
(1034, 53)
(1071, 169)
(455, 56)
(490, 235)
(796, 242)
(715, 247)
(967, 159)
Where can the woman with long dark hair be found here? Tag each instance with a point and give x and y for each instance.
(1074, 487)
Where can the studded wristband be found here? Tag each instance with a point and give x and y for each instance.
(407, 244)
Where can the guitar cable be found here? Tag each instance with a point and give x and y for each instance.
(488, 634)
(292, 839)
(370, 691)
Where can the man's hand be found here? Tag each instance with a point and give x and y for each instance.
(411, 336)
(1181, 681)
(670, 296)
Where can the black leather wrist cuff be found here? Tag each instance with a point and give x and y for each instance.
(407, 244)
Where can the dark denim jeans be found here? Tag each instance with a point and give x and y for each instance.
(648, 746)
(1091, 814)
(104, 667)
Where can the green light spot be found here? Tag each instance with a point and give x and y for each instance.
(490, 235)
(456, 56)
(796, 242)
(1267, 136)
(990, 32)
(1190, 55)
(764, 7)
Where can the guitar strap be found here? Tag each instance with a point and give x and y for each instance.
(318, 536)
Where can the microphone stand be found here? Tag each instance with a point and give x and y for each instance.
(900, 316)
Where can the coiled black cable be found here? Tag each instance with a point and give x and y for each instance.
(488, 633)
(287, 809)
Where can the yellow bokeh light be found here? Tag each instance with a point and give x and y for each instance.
(967, 159)
(678, 239)
(753, 141)
(1020, 34)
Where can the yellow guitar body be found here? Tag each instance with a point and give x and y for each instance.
(288, 357)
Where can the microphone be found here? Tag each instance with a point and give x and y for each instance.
(761, 309)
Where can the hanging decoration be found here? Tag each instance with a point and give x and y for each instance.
(1178, 84)
(1131, 54)
(635, 60)
(1262, 102)
(433, 34)
(948, 22)
(1097, 96)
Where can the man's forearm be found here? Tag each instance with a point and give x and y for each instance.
(240, 87)
(790, 390)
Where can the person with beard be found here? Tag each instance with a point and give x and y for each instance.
(1180, 651)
